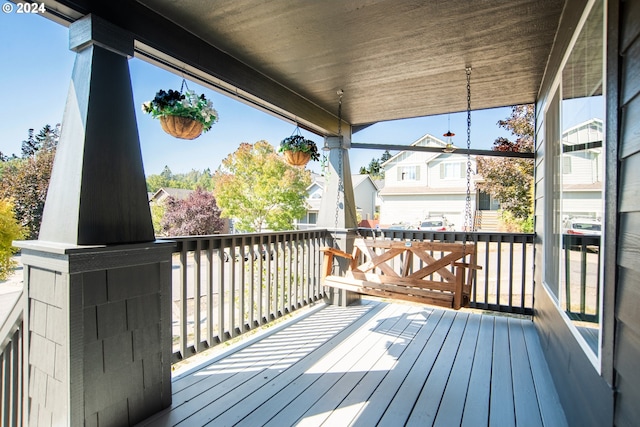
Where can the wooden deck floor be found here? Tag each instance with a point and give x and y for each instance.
(375, 364)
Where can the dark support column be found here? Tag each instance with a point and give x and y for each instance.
(99, 286)
(98, 193)
(338, 210)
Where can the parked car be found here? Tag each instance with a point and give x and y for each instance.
(434, 224)
(399, 227)
(583, 227)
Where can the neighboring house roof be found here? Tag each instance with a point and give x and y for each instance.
(427, 140)
(588, 131)
(318, 181)
(359, 179)
(177, 193)
(356, 180)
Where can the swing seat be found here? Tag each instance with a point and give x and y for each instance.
(384, 268)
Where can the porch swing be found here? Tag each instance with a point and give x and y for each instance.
(384, 268)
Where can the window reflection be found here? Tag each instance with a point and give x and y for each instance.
(579, 180)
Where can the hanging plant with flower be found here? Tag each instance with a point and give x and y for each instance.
(183, 115)
(298, 150)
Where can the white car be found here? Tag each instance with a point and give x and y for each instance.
(583, 227)
(434, 224)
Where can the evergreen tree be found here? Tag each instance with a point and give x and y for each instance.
(375, 166)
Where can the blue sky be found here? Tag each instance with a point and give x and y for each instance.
(35, 70)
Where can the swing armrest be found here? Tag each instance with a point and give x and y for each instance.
(337, 252)
(328, 260)
(467, 265)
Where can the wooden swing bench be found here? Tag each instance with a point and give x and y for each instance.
(371, 271)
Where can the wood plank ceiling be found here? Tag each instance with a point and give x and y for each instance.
(393, 58)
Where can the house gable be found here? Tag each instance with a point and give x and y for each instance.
(416, 171)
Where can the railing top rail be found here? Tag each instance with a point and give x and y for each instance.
(218, 241)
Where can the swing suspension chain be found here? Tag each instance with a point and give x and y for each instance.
(468, 219)
(340, 183)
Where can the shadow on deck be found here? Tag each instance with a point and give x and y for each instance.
(374, 364)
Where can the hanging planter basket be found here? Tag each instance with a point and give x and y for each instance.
(297, 150)
(181, 127)
(296, 158)
(184, 114)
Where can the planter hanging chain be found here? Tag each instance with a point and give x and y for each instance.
(183, 85)
(340, 183)
(296, 131)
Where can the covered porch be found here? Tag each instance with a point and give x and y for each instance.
(107, 309)
(253, 342)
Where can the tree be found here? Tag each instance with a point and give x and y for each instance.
(258, 189)
(189, 181)
(157, 214)
(510, 181)
(375, 166)
(385, 156)
(46, 140)
(25, 180)
(196, 215)
(10, 230)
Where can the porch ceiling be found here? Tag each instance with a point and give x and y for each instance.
(393, 58)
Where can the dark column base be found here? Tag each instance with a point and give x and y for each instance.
(99, 327)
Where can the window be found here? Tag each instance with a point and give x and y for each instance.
(452, 170)
(309, 218)
(574, 201)
(566, 165)
(316, 194)
(408, 173)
